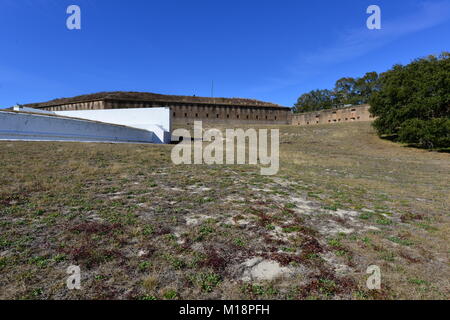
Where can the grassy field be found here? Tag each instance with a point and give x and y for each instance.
(141, 227)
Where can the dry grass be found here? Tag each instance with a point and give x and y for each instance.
(142, 228)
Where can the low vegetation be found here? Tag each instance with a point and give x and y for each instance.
(143, 228)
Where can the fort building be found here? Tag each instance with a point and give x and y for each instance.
(184, 109)
(329, 116)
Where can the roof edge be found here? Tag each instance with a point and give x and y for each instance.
(154, 98)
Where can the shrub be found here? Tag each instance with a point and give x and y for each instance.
(434, 133)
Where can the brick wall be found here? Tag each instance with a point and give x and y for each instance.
(186, 113)
(349, 114)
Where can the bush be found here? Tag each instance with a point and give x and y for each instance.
(434, 133)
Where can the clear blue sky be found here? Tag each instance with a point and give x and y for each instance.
(268, 50)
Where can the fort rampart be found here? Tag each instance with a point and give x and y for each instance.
(348, 114)
(184, 110)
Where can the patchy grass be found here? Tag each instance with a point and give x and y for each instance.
(140, 227)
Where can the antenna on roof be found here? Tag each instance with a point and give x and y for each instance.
(212, 91)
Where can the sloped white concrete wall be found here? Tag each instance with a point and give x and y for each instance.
(157, 120)
(26, 109)
(33, 127)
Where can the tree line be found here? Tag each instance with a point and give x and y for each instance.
(411, 102)
(347, 91)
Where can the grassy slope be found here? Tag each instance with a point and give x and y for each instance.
(143, 228)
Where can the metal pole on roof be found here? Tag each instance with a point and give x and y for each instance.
(212, 91)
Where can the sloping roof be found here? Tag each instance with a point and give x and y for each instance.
(152, 97)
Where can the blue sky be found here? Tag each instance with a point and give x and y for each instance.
(267, 50)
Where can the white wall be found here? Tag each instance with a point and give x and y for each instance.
(33, 127)
(157, 120)
(26, 109)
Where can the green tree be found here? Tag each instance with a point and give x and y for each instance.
(366, 86)
(345, 91)
(420, 91)
(355, 91)
(314, 100)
